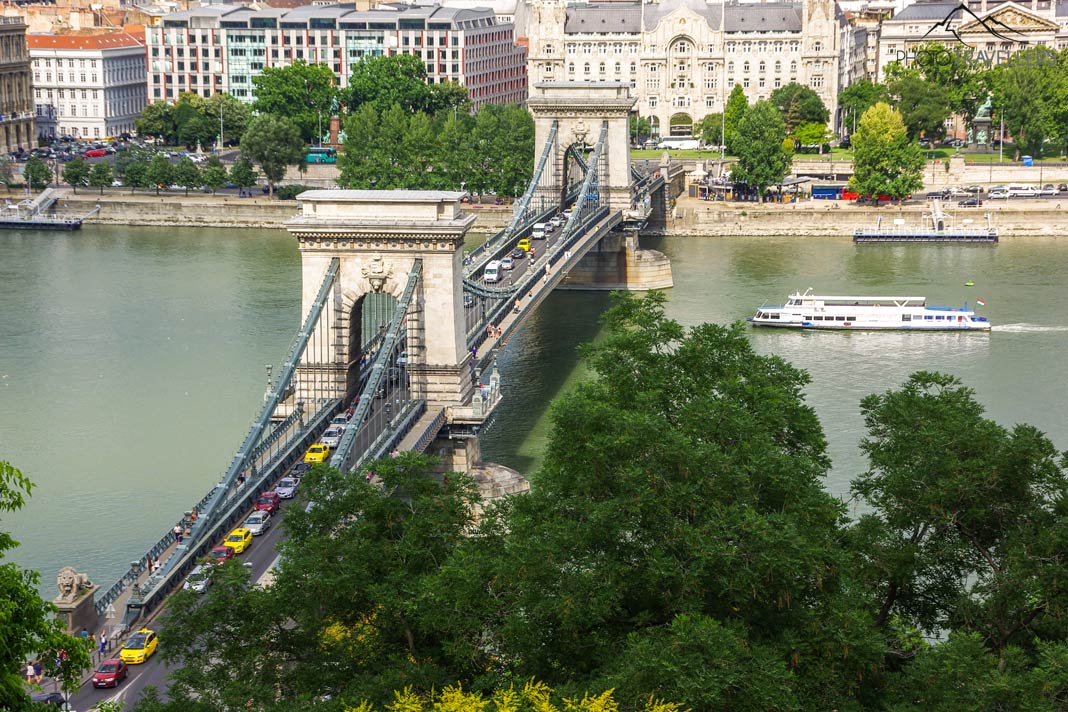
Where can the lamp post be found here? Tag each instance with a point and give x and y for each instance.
(222, 141)
(320, 128)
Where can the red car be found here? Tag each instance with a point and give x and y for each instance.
(110, 673)
(95, 153)
(220, 554)
(268, 502)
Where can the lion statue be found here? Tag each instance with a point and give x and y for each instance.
(71, 583)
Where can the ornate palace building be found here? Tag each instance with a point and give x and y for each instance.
(16, 97)
(990, 31)
(683, 57)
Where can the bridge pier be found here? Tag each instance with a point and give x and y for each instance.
(616, 262)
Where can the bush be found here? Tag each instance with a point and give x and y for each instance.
(289, 192)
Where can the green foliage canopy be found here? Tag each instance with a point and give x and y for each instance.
(274, 142)
(300, 92)
(758, 143)
(884, 161)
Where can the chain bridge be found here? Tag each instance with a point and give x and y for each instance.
(402, 327)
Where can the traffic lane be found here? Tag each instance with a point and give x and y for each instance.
(261, 555)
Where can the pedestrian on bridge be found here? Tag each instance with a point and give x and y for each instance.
(178, 532)
(103, 643)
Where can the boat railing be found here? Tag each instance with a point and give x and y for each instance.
(903, 230)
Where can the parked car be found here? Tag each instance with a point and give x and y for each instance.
(972, 202)
(199, 579)
(219, 555)
(239, 540)
(998, 194)
(974, 189)
(140, 647)
(1062, 187)
(258, 523)
(287, 487)
(1047, 189)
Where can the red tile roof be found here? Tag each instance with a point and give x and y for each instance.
(110, 40)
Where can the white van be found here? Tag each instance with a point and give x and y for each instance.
(539, 231)
(492, 272)
(1022, 191)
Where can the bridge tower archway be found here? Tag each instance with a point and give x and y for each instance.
(580, 109)
(377, 237)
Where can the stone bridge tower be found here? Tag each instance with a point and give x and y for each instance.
(581, 108)
(378, 235)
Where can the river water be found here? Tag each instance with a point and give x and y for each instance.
(132, 359)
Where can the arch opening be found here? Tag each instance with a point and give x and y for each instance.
(681, 124)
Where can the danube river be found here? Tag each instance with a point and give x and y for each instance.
(132, 359)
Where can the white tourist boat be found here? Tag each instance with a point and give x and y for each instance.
(812, 311)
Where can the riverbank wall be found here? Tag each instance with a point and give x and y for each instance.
(201, 210)
(819, 218)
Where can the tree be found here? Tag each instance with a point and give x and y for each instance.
(242, 173)
(214, 175)
(301, 93)
(813, 134)
(275, 143)
(76, 173)
(966, 531)
(160, 173)
(1027, 95)
(399, 79)
(956, 76)
(235, 114)
(187, 174)
(194, 127)
(623, 534)
(710, 130)
(136, 176)
(101, 176)
(762, 161)
(36, 173)
(736, 107)
(354, 611)
(924, 106)
(640, 129)
(30, 626)
(885, 162)
(810, 107)
(857, 98)
(157, 119)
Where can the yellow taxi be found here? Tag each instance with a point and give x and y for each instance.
(239, 539)
(524, 244)
(139, 647)
(317, 453)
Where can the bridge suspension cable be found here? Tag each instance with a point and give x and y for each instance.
(344, 456)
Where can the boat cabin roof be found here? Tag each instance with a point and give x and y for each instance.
(870, 301)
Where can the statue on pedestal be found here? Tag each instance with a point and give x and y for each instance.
(981, 125)
(71, 584)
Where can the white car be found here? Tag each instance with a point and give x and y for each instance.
(340, 421)
(507, 263)
(287, 487)
(558, 220)
(332, 437)
(258, 522)
(997, 195)
(199, 580)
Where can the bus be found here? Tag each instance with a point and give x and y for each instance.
(678, 142)
(321, 155)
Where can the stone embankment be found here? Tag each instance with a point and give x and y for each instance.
(817, 217)
(119, 207)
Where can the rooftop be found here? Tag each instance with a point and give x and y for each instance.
(110, 40)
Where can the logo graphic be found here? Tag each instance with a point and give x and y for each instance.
(992, 25)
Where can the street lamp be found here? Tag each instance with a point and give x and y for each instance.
(320, 128)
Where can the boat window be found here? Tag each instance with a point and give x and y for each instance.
(808, 318)
(774, 316)
(906, 317)
(939, 318)
(928, 317)
(851, 318)
(839, 318)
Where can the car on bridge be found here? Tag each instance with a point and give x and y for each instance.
(469, 300)
(110, 673)
(317, 453)
(258, 523)
(140, 647)
(300, 469)
(268, 502)
(341, 420)
(199, 580)
(507, 263)
(524, 244)
(219, 555)
(287, 487)
(332, 437)
(239, 540)
(55, 699)
(517, 253)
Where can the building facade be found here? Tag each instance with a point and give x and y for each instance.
(220, 48)
(684, 57)
(92, 86)
(989, 31)
(16, 96)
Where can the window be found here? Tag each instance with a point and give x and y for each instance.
(745, 83)
(745, 67)
(778, 67)
(762, 67)
(586, 68)
(730, 67)
(710, 82)
(793, 67)
(710, 102)
(601, 68)
(817, 46)
(653, 102)
(816, 82)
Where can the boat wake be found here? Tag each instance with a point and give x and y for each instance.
(1026, 328)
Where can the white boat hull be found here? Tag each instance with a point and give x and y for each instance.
(846, 326)
(855, 313)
